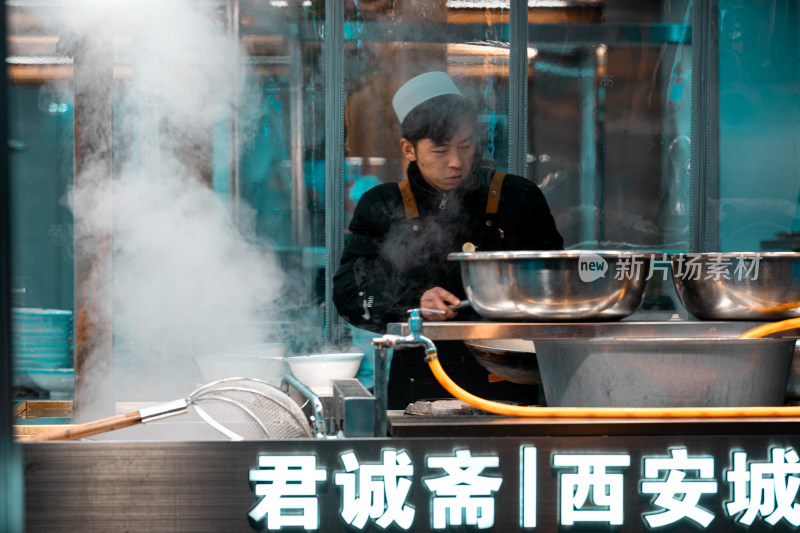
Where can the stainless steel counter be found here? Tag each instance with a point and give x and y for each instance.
(628, 328)
(453, 330)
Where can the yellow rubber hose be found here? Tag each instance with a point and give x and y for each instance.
(602, 412)
(769, 329)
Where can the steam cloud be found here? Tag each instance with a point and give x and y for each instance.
(187, 277)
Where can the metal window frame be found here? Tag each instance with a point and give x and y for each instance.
(334, 161)
(704, 186)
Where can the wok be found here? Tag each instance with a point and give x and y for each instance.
(513, 360)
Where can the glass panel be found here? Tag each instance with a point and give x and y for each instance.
(609, 121)
(283, 154)
(194, 206)
(759, 108)
(610, 125)
(210, 230)
(284, 46)
(227, 133)
(389, 43)
(40, 118)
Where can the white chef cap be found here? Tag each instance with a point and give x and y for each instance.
(420, 89)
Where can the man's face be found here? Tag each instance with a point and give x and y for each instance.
(444, 166)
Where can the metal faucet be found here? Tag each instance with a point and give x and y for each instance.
(318, 416)
(414, 338)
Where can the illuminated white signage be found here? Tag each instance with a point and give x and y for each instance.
(377, 491)
(460, 489)
(592, 482)
(288, 484)
(527, 486)
(767, 488)
(675, 483)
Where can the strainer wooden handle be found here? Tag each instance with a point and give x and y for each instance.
(111, 423)
(88, 429)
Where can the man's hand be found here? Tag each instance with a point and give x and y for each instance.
(438, 298)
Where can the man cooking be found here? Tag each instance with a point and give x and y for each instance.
(396, 256)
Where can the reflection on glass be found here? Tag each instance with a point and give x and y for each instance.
(609, 93)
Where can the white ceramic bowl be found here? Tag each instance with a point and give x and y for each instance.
(214, 367)
(59, 382)
(317, 370)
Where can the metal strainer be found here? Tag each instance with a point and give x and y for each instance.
(239, 408)
(249, 409)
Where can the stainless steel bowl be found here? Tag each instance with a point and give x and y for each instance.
(554, 286)
(738, 286)
(664, 372)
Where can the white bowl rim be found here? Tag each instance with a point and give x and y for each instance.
(328, 356)
(233, 356)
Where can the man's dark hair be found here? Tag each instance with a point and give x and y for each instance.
(438, 119)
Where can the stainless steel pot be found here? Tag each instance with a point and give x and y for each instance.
(555, 286)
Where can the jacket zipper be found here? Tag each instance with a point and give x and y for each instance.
(443, 203)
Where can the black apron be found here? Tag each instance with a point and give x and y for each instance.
(410, 378)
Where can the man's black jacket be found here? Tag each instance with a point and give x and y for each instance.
(389, 260)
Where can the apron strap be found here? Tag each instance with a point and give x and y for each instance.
(409, 202)
(493, 200)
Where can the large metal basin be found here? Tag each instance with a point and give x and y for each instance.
(664, 372)
(738, 286)
(554, 286)
(514, 359)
